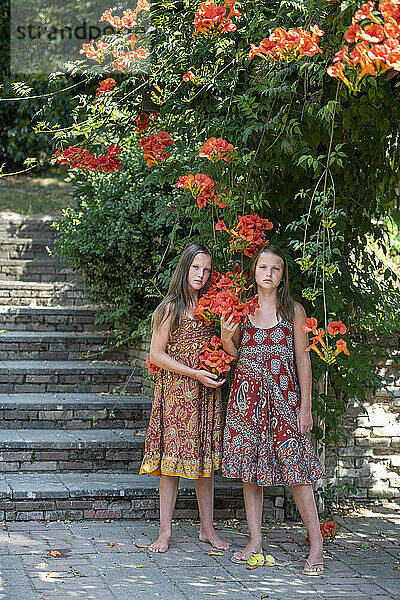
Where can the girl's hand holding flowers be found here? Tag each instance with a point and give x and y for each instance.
(228, 328)
(214, 360)
(210, 380)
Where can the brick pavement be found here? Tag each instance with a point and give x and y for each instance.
(361, 564)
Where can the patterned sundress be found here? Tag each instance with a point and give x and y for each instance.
(184, 436)
(262, 443)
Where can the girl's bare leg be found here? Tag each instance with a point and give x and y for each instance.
(304, 497)
(168, 493)
(205, 497)
(253, 501)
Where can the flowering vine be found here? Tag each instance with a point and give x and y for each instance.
(320, 343)
(289, 44)
(213, 357)
(374, 36)
(212, 19)
(82, 159)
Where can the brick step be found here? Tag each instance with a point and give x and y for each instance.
(73, 411)
(25, 248)
(47, 450)
(32, 497)
(26, 293)
(34, 270)
(58, 345)
(13, 225)
(48, 318)
(69, 376)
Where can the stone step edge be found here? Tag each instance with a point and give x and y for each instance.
(12, 336)
(57, 310)
(74, 439)
(40, 285)
(26, 497)
(71, 401)
(36, 367)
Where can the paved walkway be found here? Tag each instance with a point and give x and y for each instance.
(363, 563)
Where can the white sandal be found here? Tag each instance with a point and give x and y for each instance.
(313, 573)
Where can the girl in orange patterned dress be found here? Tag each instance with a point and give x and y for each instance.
(186, 423)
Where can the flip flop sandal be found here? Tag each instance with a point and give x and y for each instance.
(242, 561)
(313, 573)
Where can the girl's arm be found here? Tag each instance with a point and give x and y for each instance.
(159, 357)
(230, 336)
(303, 364)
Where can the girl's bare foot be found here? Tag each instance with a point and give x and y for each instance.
(162, 544)
(211, 537)
(253, 547)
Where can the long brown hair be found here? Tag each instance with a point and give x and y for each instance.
(178, 297)
(284, 301)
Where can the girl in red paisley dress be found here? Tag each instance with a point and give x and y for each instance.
(184, 437)
(269, 409)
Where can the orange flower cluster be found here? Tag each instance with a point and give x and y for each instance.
(211, 19)
(92, 52)
(326, 352)
(213, 357)
(79, 158)
(328, 532)
(129, 16)
(226, 297)
(122, 60)
(152, 369)
(154, 146)
(289, 44)
(216, 149)
(248, 235)
(107, 85)
(144, 120)
(202, 188)
(189, 76)
(376, 38)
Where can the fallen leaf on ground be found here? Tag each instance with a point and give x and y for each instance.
(137, 566)
(112, 544)
(54, 575)
(289, 541)
(54, 553)
(251, 567)
(212, 553)
(141, 545)
(141, 434)
(264, 596)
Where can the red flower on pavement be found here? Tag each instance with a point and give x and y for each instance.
(154, 146)
(216, 149)
(328, 532)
